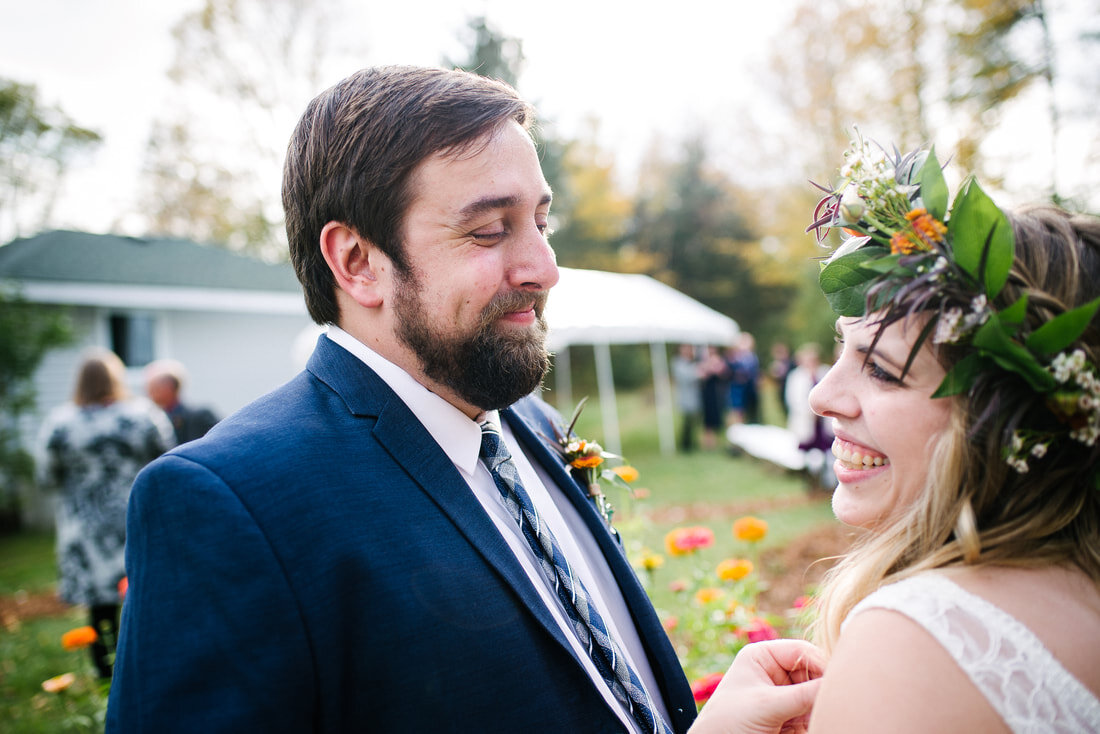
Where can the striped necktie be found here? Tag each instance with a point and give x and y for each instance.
(584, 618)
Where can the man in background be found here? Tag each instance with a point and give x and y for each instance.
(164, 381)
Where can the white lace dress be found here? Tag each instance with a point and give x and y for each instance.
(1010, 666)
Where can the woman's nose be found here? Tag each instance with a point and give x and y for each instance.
(832, 397)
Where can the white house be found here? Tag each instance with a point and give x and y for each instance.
(232, 320)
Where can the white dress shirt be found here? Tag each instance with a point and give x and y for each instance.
(460, 439)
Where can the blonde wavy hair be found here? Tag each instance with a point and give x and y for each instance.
(974, 509)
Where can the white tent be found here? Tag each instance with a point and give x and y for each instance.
(600, 308)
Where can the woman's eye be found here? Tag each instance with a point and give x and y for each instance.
(877, 373)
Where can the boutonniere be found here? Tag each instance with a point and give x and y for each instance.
(591, 465)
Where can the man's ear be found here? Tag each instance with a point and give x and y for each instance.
(355, 263)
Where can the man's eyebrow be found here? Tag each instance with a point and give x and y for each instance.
(489, 203)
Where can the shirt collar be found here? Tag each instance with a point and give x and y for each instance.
(456, 434)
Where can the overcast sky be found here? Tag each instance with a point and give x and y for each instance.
(104, 62)
(661, 70)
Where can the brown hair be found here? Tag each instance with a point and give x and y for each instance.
(976, 509)
(353, 152)
(101, 379)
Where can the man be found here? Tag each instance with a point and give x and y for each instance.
(164, 380)
(335, 557)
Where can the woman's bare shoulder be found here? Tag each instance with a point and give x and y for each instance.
(889, 674)
(1059, 605)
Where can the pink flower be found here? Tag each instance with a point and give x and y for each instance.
(759, 630)
(684, 541)
(703, 688)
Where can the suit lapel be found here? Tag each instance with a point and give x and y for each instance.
(663, 660)
(411, 446)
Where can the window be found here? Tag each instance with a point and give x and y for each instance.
(132, 338)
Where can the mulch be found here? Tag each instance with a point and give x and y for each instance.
(801, 564)
(22, 606)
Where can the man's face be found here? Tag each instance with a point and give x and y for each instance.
(162, 392)
(471, 308)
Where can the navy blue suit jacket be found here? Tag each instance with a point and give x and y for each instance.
(317, 564)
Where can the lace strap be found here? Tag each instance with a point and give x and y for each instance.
(1011, 667)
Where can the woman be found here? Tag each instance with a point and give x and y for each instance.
(966, 405)
(90, 450)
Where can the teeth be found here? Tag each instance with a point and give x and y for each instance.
(855, 460)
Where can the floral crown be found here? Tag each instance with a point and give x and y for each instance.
(903, 252)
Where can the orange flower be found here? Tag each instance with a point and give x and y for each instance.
(927, 227)
(749, 528)
(684, 541)
(903, 244)
(587, 462)
(58, 683)
(734, 569)
(708, 594)
(626, 473)
(123, 587)
(77, 638)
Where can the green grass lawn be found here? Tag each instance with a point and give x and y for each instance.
(710, 489)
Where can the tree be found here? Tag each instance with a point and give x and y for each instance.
(946, 72)
(692, 222)
(255, 62)
(591, 214)
(491, 54)
(37, 145)
(27, 332)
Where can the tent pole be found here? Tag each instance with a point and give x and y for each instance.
(662, 393)
(605, 381)
(563, 382)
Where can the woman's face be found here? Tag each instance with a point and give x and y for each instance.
(885, 426)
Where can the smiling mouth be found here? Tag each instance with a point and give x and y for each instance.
(852, 456)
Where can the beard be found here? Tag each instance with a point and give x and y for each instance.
(488, 368)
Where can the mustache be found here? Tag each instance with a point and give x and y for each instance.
(511, 301)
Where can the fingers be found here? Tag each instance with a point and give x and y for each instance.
(788, 661)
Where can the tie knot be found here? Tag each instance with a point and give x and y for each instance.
(492, 445)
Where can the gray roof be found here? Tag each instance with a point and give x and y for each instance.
(67, 256)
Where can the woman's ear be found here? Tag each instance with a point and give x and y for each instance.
(355, 263)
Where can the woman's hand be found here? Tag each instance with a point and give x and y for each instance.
(769, 688)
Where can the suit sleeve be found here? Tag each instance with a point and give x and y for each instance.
(212, 639)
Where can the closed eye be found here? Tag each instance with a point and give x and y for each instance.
(489, 238)
(878, 373)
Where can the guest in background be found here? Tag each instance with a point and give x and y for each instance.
(90, 450)
(164, 381)
(812, 430)
(744, 373)
(689, 399)
(712, 391)
(778, 370)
